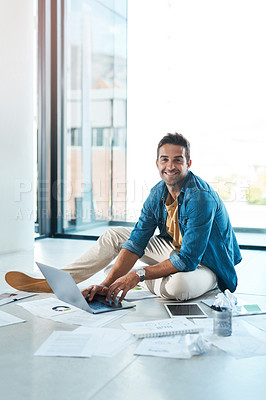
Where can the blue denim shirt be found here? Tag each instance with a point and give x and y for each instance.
(208, 236)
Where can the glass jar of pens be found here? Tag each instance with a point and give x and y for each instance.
(222, 321)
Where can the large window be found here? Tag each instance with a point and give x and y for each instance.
(35, 116)
(94, 108)
(200, 70)
(193, 67)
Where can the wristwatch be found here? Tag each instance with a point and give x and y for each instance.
(141, 273)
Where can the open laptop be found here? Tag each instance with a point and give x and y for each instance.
(65, 289)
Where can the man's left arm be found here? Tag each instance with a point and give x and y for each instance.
(129, 281)
(198, 223)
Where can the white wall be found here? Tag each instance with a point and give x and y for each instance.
(16, 125)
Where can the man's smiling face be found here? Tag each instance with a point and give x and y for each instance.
(172, 165)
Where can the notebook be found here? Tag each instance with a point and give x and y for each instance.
(65, 289)
(162, 327)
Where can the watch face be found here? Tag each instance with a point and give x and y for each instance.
(141, 273)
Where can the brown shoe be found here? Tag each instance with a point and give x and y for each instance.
(26, 283)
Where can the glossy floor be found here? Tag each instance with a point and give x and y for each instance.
(124, 376)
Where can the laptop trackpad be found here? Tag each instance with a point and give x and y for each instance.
(94, 304)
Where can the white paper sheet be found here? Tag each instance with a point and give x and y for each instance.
(85, 342)
(206, 324)
(84, 318)
(242, 307)
(246, 340)
(8, 297)
(107, 341)
(168, 346)
(259, 321)
(139, 293)
(8, 319)
(57, 310)
(66, 344)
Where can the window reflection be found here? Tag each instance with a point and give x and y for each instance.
(95, 113)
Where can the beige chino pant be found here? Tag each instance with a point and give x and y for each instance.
(180, 286)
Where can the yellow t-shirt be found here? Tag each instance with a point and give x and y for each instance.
(172, 226)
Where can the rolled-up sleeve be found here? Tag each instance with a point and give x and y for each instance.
(178, 263)
(143, 230)
(133, 247)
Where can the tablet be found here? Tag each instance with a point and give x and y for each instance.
(188, 310)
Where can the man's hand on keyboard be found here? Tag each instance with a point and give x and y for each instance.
(93, 289)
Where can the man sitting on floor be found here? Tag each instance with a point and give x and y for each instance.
(195, 251)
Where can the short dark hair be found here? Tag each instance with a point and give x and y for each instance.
(176, 139)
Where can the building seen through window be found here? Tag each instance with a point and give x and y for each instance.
(95, 108)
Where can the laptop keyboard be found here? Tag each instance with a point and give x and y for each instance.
(99, 302)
